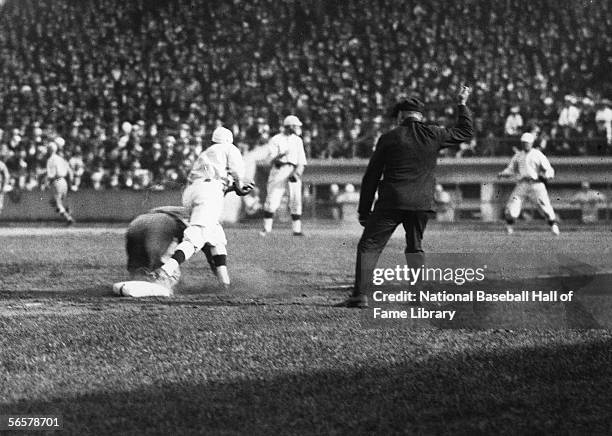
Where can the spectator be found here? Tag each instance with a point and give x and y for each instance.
(514, 122)
(590, 201)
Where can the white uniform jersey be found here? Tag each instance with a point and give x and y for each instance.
(529, 165)
(216, 162)
(288, 148)
(57, 167)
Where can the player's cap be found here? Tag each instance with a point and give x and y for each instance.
(528, 137)
(221, 135)
(409, 104)
(60, 141)
(292, 120)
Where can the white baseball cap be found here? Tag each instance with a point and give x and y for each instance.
(292, 120)
(528, 137)
(221, 135)
(60, 141)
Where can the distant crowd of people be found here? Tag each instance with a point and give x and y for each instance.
(135, 88)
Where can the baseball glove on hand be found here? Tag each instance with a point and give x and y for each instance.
(241, 191)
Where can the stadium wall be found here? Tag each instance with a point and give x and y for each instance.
(477, 174)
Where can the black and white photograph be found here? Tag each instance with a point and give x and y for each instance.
(318, 217)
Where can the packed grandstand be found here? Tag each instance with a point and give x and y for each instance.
(136, 87)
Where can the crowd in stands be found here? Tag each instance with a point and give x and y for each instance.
(135, 87)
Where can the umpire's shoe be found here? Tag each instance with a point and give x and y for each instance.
(354, 301)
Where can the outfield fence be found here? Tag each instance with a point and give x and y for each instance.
(472, 183)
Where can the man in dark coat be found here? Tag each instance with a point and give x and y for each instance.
(406, 159)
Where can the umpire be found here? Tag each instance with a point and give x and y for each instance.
(406, 159)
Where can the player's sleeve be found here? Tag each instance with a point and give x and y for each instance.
(512, 167)
(51, 169)
(463, 131)
(546, 168)
(235, 164)
(369, 183)
(273, 149)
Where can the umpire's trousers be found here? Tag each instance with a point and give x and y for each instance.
(380, 226)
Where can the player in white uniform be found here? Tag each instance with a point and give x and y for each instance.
(532, 169)
(58, 171)
(203, 197)
(5, 180)
(287, 157)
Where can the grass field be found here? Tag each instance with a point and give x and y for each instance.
(272, 356)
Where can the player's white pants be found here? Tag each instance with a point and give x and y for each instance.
(536, 192)
(277, 183)
(204, 201)
(59, 191)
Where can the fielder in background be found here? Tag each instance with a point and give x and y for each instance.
(533, 170)
(288, 160)
(5, 179)
(203, 198)
(58, 173)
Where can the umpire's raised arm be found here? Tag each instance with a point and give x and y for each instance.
(402, 169)
(463, 131)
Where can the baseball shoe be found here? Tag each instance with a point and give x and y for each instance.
(161, 277)
(555, 229)
(358, 302)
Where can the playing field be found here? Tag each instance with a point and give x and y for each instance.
(272, 356)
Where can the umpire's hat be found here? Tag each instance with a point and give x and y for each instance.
(410, 104)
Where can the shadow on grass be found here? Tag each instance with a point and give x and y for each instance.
(533, 390)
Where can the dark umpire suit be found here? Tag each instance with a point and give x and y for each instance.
(406, 158)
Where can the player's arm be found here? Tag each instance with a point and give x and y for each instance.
(300, 165)
(274, 153)
(6, 177)
(236, 169)
(546, 170)
(511, 169)
(371, 178)
(463, 131)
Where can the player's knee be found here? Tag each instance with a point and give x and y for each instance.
(194, 235)
(220, 260)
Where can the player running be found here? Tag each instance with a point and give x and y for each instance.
(58, 171)
(533, 171)
(203, 197)
(288, 160)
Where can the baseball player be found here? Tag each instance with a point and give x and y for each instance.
(5, 179)
(203, 197)
(533, 171)
(287, 157)
(58, 171)
(152, 237)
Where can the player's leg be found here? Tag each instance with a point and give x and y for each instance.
(414, 223)
(380, 226)
(540, 195)
(59, 189)
(277, 181)
(295, 206)
(205, 200)
(514, 205)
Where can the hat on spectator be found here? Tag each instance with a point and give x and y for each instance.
(409, 104)
(292, 120)
(528, 137)
(221, 135)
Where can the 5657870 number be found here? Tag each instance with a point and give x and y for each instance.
(30, 422)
